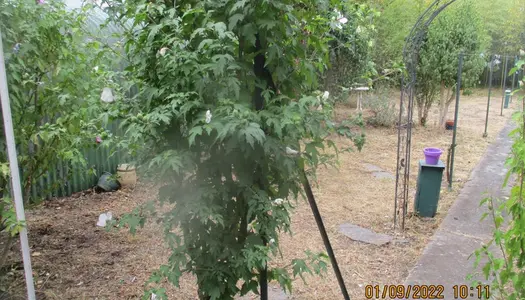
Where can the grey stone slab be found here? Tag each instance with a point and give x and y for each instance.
(377, 172)
(274, 293)
(372, 168)
(383, 175)
(364, 235)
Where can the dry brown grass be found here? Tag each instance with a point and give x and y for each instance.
(83, 262)
(352, 194)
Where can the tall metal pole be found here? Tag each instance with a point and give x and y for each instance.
(324, 235)
(15, 174)
(504, 84)
(264, 283)
(488, 101)
(399, 166)
(513, 78)
(458, 94)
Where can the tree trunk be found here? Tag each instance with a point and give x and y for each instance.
(446, 98)
(425, 114)
(447, 105)
(7, 246)
(442, 104)
(420, 112)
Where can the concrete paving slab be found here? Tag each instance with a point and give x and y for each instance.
(445, 259)
(486, 178)
(383, 175)
(447, 262)
(364, 235)
(372, 168)
(377, 172)
(274, 293)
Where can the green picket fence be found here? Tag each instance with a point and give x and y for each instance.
(64, 180)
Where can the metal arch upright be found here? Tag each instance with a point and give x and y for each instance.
(414, 41)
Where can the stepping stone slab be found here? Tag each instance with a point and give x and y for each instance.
(383, 175)
(378, 172)
(274, 293)
(364, 235)
(373, 168)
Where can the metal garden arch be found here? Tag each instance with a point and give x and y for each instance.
(413, 44)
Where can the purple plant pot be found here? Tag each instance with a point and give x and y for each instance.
(432, 155)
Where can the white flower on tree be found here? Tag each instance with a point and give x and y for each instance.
(208, 116)
(291, 151)
(107, 95)
(278, 201)
(326, 94)
(163, 51)
(340, 19)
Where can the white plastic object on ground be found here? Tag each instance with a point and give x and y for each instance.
(103, 218)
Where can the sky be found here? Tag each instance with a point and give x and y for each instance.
(77, 3)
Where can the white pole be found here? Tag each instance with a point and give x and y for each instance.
(15, 175)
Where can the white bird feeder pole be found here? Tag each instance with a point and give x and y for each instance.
(360, 97)
(15, 174)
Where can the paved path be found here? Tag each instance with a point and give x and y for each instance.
(445, 259)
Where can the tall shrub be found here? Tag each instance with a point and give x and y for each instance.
(55, 79)
(454, 31)
(351, 47)
(227, 97)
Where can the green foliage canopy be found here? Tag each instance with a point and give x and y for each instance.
(226, 168)
(53, 85)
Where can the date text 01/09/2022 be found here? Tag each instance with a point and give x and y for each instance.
(425, 292)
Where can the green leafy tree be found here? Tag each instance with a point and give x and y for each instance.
(351, 46)
(55, 78)
(393, 26)
(455, 31)
(504, 21)
(227, 98)
(54, 94)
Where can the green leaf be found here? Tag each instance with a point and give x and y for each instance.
(300, 267)
(194, 132)
(238, 5)
(236, 18)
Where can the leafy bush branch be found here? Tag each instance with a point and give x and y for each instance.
(55, 76)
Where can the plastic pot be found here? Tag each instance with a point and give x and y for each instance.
(108, 183)
(449, 125)
(432, 155)
(127, 175)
